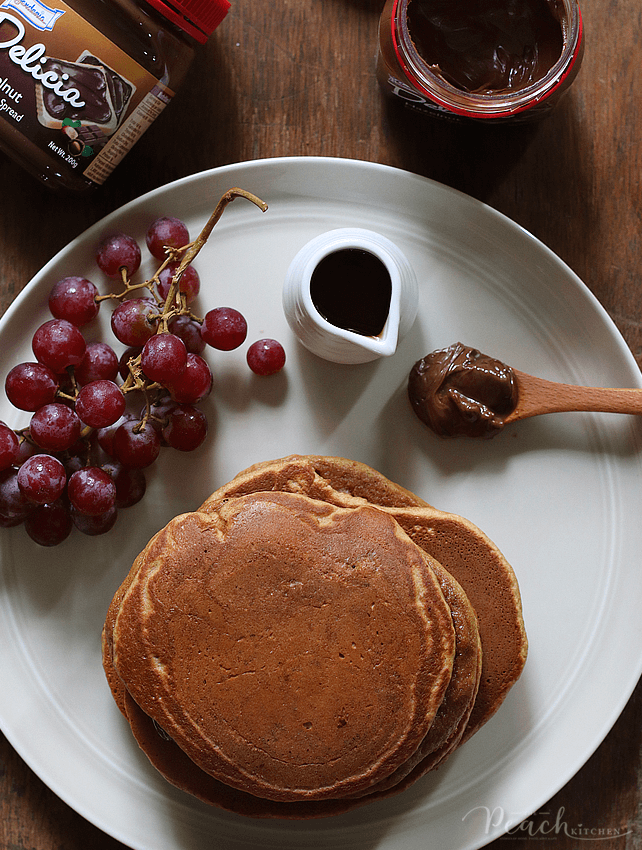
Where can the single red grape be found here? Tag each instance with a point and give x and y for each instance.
(42, 479)
(118, 251)
(194, 384)
(189, 284)
(74, 299)
(163, 358)
(14, 506)
(166, 231)
(186, 428)
(49, 525)
(100, 403)
(131, 322)
(266, 357)
(224, 328)
(55, 427)
(91, 491)
(99, 363)
(135, 446)
(30, 385)
(58, 344)
(190, 332)
(130, 483)
(9, 446)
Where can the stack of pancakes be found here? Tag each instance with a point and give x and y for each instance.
(313, 638)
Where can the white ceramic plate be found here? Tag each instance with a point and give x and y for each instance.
(560, 495)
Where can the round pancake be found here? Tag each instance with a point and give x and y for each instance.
(292, 649)
(457, 544)
(444, 734)
(441, 739)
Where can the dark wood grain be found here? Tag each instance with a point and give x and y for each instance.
(296, 77)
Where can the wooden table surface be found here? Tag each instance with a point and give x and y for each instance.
(296, 78)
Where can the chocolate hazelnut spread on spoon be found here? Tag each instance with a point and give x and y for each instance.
(458, 391)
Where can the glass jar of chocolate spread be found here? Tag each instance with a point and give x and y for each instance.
(487, 60)
(81, 80)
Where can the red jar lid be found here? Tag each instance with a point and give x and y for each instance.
(198, 18)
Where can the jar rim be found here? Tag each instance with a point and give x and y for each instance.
(492, 105)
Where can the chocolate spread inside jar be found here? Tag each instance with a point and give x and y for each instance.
(487, 45)
(491, 60)
(458, 391)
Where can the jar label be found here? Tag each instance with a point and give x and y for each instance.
(71, 91)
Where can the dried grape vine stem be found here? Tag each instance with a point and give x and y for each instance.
(189, 253)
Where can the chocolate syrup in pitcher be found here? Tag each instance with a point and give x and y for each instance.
(351, 289)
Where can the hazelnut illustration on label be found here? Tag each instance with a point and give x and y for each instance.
(71, 91)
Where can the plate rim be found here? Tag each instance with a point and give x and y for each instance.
(298, 162)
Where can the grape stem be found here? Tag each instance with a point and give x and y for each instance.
(170, 309)
(194, 247)
(130, 287)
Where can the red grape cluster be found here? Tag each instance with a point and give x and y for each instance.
(99, 419)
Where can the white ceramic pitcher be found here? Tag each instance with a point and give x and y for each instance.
(328, 340)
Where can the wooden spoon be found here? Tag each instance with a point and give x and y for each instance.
(537, 395)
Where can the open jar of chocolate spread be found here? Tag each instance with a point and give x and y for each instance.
(81, 81)
(488, 60)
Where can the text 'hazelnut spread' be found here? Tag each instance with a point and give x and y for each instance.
(81, 82)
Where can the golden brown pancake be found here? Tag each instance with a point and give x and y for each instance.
(457, 544)
(469, 698)
(443, 736)
(441, 739)
(294, 650)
